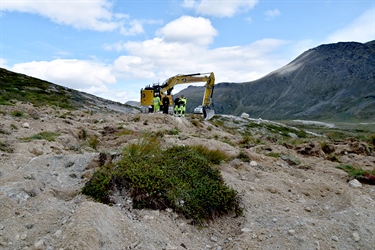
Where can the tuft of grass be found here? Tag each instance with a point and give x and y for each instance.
(45, 135)
(215, 156)
(273, 154)
(180, 177)
(13, 126)
(172, 132)
(123, 131)
(137, 118)
(196, 123)
(17, 113)
(334, 158)
(93, 141)
(354, 171)
(5, 147)
(243, 156)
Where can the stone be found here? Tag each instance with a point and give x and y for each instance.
(39, 245)
(355, 183)
(245, 115)
(335, 238)
(291, 232)
(356, 236)
(25, 125)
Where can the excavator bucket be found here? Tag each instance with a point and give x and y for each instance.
(208, 113)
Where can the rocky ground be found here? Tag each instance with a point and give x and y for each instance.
(299, 200)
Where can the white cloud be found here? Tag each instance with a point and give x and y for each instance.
(92, 15)
(133, 67)
(3, 63)
(220, 8)
(154, 60)
(361, 29)
(271, 14)
(86, 76)
(187, 29)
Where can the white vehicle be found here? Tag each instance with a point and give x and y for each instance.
(198, 110)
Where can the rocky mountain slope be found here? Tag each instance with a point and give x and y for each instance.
(292, 194)
(329, 82)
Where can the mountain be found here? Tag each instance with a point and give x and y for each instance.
(330, 82)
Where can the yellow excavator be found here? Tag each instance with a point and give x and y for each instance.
(149, 92)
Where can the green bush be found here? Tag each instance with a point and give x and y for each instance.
(180, 177)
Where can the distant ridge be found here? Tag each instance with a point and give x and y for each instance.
(20, 87)
(329, 82)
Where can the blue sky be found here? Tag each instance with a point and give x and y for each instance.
(112, 49)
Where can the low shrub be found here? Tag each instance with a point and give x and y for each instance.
(180, 177)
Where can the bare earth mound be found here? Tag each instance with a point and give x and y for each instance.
(298, 201)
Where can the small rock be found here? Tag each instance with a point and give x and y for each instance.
(170, 247)
(245, 230)
(23, 236)
(272, 190)
(39, 245)
(355, 183)
(214, 239)
(291, 232)
(287, 209)
(335, 238)
(148, 217)
(274, 220)
(308, 209)
(245, 115)
(25, 125)
(58, 233)
(253, 163)
(356, 236)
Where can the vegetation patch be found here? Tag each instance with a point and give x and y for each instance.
(17, 113)
(5, 147)
(273, 154)
(29, 89)
(356, 171)
(45, 135)
(180, 177)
